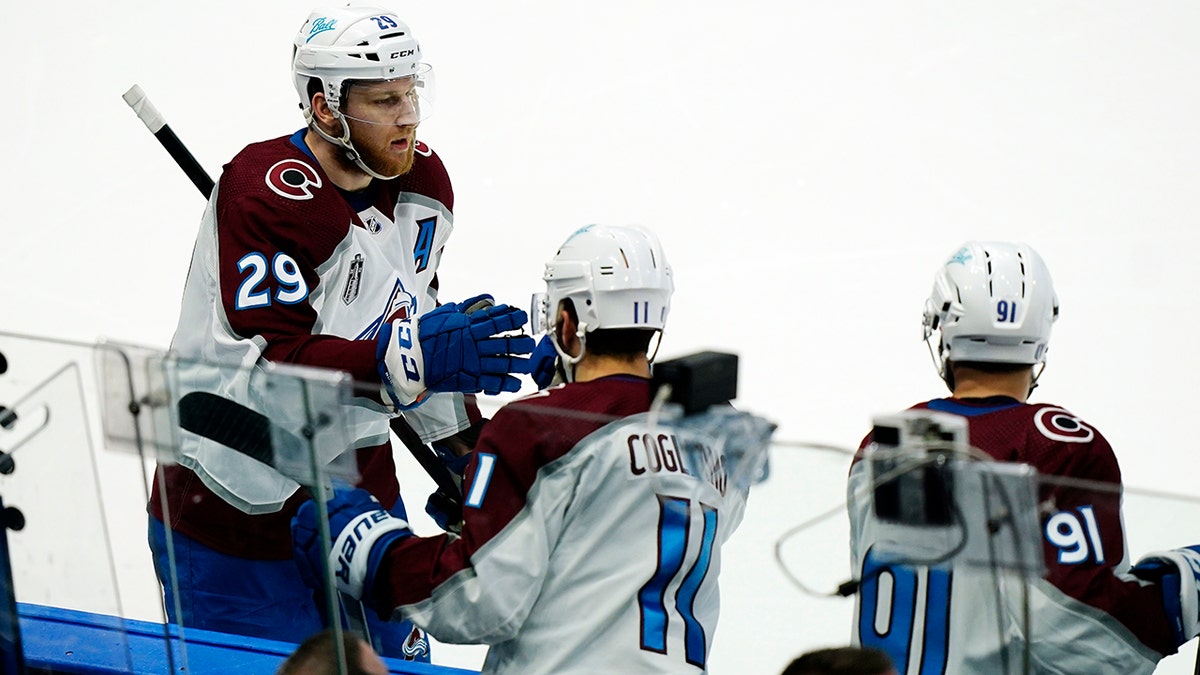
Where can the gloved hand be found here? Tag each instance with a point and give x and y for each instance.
(543, 363)
(445, 510)
(457, 347)
(455, 453)
(455, 462)
(362, 532)
(1177, 572)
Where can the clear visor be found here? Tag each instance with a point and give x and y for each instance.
(405, 101)
(539, 313)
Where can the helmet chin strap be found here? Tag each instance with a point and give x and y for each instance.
(344, 141)
(1033, 384)
(939, 364)
(565, 360)
(947, 374)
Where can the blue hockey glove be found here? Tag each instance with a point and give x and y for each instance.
(464, 351)
(543, 363)
(1177, 572)
(362, 533)
(455, 462)
(445, 510)
(455, 453)
(460, 348)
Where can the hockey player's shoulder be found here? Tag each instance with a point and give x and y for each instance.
(523, 420)
(277, 170)
(541, 408)
(428, 176)
(1059, 424)
(549, 397)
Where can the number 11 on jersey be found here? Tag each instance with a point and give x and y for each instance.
(674, 547)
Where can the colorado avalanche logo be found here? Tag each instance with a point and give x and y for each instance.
(416, 647)
(402, 304)
(293, 179)
(1059, 425)
(421, 149)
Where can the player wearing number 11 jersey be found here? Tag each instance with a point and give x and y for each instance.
(586, 547)
(991, 309)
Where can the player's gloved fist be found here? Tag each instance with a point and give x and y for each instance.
(443, 507)
(362, 532)
(452, 460)
(1177, 572)
(465, 352)
(445, 510)
(543, 363)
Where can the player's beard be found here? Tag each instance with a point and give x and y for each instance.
(384, 161)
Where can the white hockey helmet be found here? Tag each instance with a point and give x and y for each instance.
(357, 42)
(616, 277)
(992, 302)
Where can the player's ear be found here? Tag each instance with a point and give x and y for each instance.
(565, 331)
(323, 114)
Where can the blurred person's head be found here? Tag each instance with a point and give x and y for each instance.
(318, 656)
(841, 661)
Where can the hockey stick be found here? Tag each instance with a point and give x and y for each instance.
(229, 423)
(148, 114)
(425, 456)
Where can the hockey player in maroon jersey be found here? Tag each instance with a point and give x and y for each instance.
(991, 311)
(321, 249)
(586, 548)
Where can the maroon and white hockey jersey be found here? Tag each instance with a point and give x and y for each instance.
(585, 548)
(1087, 615)
(288, 268)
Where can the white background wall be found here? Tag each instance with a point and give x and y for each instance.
(807, 165)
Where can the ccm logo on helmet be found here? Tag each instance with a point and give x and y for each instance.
(404, 53)
(292, 178)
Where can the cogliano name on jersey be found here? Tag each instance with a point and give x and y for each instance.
(662, 453)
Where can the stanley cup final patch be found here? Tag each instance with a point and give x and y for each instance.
(353, 279)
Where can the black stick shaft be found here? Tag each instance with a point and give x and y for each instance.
(186, 161)
(148, 114)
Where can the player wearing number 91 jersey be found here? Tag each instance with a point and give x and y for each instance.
(587, 547)
(991, 309)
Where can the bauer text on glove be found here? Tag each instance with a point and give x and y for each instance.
(362, 532)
